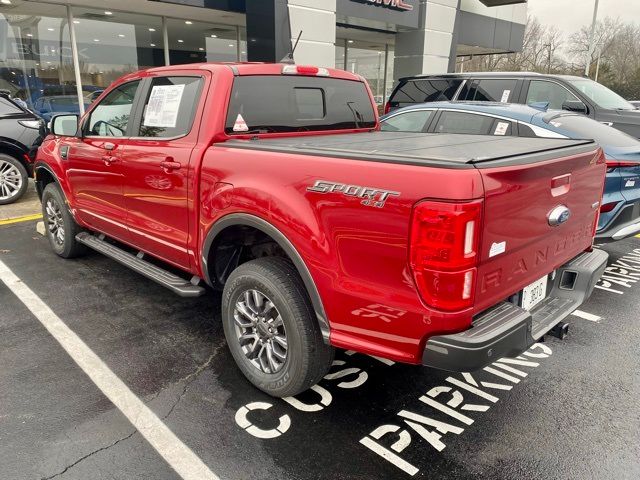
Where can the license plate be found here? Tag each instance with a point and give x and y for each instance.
(534, 293)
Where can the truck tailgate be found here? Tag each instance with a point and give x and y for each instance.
(519, 245)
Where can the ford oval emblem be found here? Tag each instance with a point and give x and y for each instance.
(559, 215)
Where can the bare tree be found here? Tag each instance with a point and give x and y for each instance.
(540, 52)
(544, 50)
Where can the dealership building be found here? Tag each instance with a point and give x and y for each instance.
(58, 55)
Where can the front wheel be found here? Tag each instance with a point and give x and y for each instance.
(60, 226)
(271, 329)
(14, 179)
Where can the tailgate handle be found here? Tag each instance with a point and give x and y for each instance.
(560, 185)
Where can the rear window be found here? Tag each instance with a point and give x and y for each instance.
(465, 123)
(586, 128)
(272, 104)
(431, 90)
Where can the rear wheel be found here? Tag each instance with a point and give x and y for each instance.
(14, 179)
(60, 226)
(271, 329)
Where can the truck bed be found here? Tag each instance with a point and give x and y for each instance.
(443, 150)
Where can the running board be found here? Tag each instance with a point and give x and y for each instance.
(173, 282)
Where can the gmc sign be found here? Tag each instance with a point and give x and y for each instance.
(399, 4)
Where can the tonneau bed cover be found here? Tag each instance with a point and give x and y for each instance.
(445, 150)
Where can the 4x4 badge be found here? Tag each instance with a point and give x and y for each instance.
(371, 196)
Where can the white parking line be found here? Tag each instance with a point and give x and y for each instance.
(587, 316)
(180, 457)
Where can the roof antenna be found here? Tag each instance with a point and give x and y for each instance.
(289, 56)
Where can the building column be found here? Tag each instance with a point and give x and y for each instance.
(268, 30)
(317, 21)
(428, 48)
(274, 25)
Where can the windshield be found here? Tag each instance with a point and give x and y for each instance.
(270, 104)
(601, 95)
(58, 102)
(580, 126)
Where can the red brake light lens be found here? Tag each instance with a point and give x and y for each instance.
(607, 207)
(305, 70)
(444, 245)
(387, 107)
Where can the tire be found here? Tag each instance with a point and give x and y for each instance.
(14, 179)
(306, 357)
(60, 226)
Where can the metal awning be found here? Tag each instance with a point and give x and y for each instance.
(499, 3)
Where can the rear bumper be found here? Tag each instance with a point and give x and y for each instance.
(625, 224)
(508, 330)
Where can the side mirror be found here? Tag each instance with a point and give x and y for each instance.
(575, 106)
(65, 125)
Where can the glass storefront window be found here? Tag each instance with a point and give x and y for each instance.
(35, 57)
(193, 42)
(390, 83)
(110, 46)
(243, 45)
(340, 53)
(368, 61)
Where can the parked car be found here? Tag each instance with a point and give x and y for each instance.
(620, 209)
(561, 92)
(321, 231)
(47, 107)
(91, 97)
(21, 132)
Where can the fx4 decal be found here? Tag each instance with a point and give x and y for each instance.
(371, 196)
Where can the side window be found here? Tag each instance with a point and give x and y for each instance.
(111, 116)
(460, 122)
(407, 122)
(502, 128)
(170, 106)
(555, 94)
(492, 90)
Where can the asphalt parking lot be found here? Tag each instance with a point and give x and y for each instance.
(565, 409)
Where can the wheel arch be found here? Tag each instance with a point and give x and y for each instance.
(14, 151)
(252, 221)
(43, 176)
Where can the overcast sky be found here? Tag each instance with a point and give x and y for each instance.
(570, 15)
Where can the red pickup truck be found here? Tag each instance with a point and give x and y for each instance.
(272, 183)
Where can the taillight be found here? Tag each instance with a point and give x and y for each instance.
(607, 207)
(305, 70)
(443, 252)
(387, 107)
(611, 164)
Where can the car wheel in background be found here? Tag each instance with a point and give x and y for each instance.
(14, 179)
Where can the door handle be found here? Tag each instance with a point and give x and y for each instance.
(108, 160)
(169, 165)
